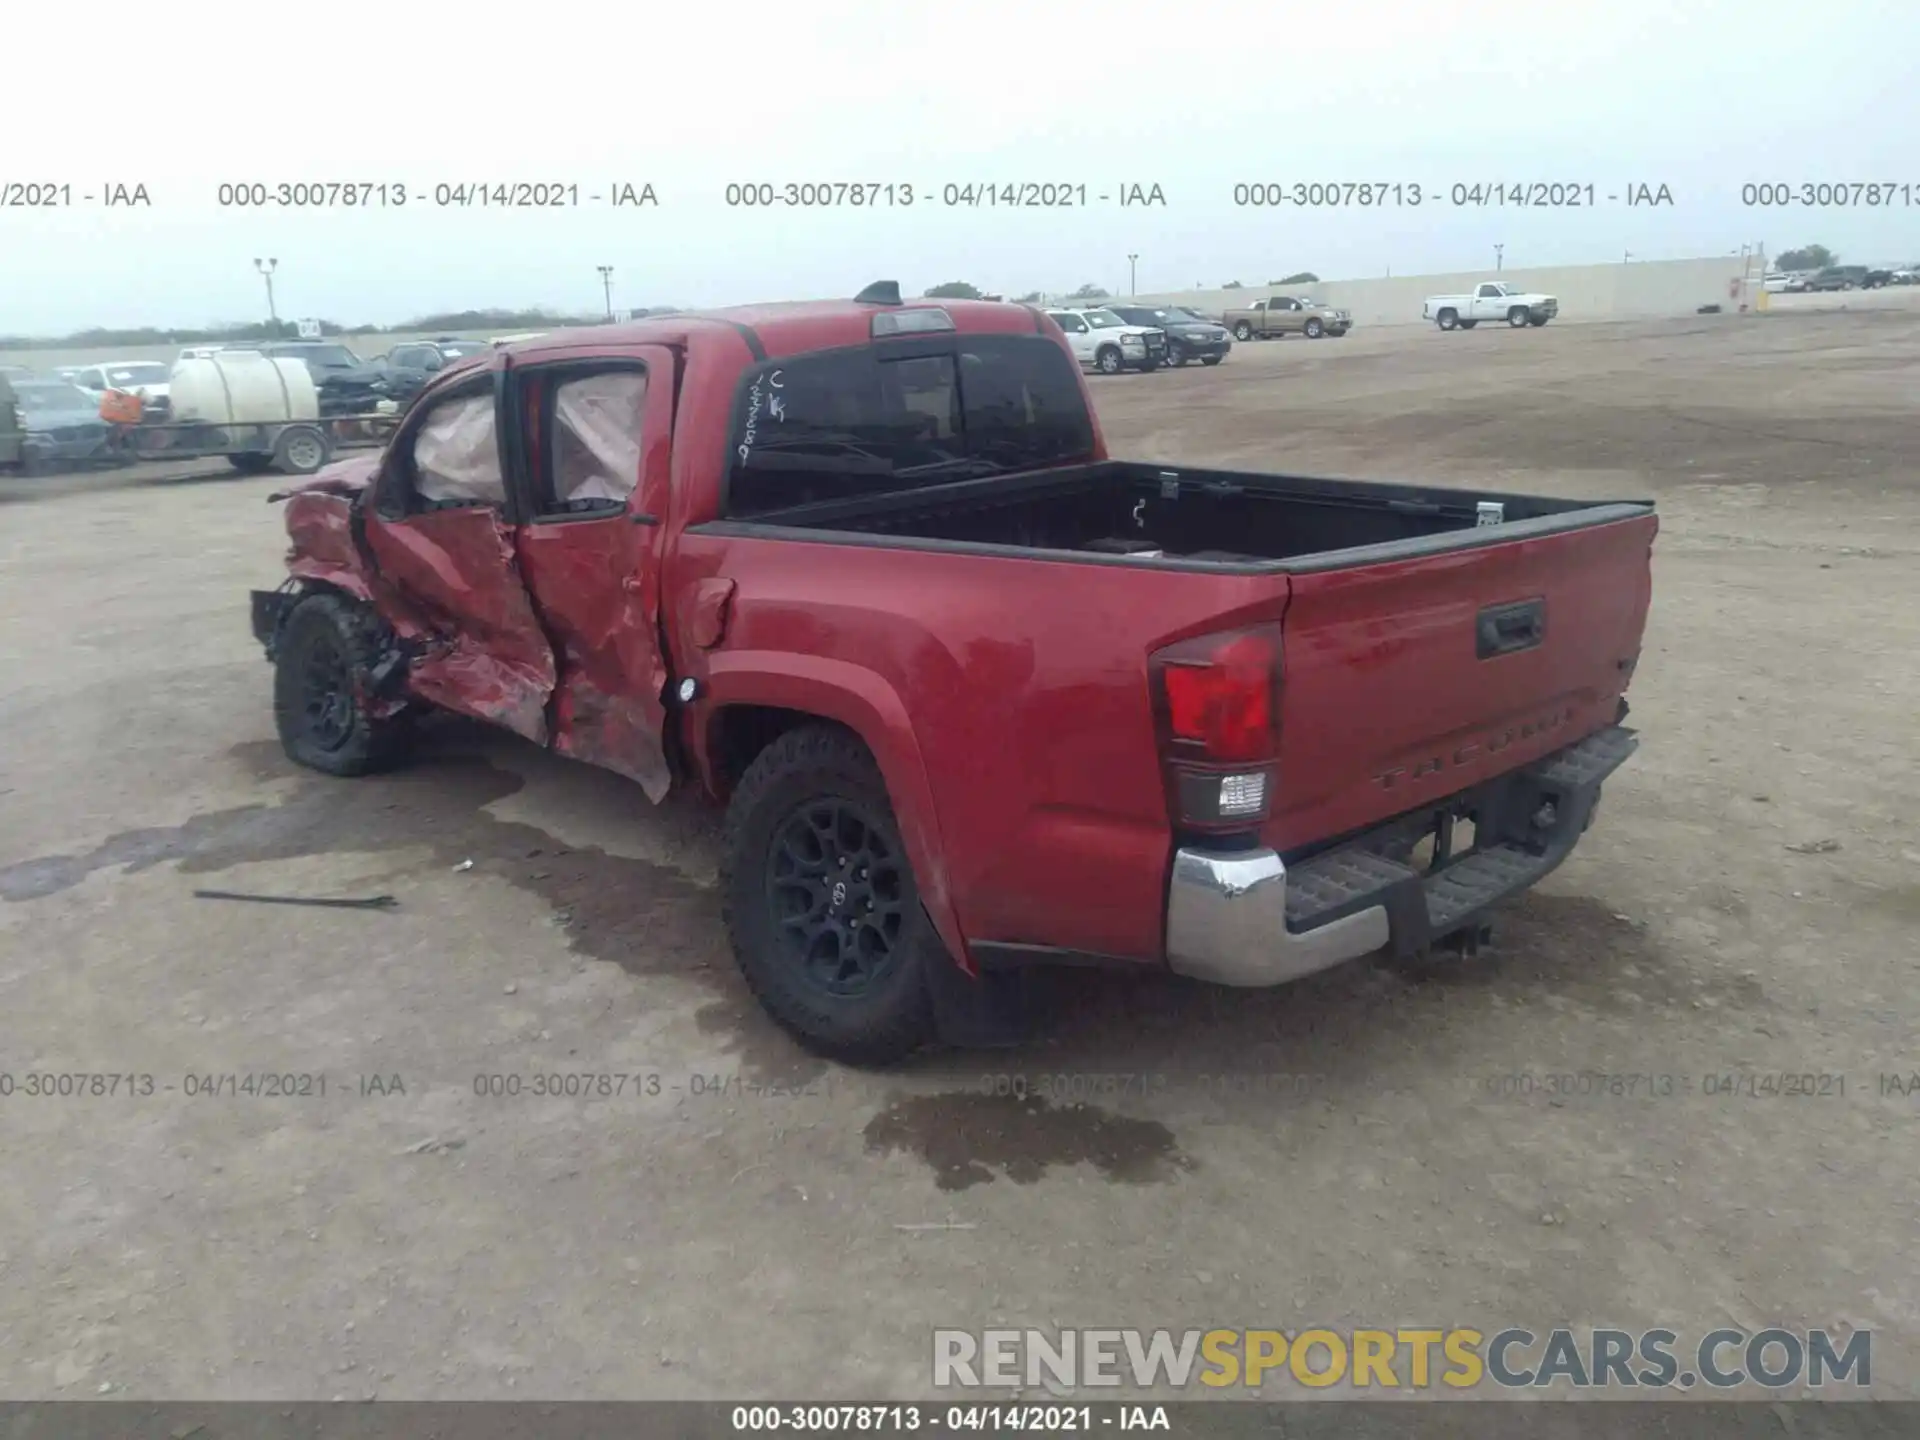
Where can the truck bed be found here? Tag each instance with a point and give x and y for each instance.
(1133, 513)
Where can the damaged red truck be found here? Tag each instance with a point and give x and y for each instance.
(976, 696)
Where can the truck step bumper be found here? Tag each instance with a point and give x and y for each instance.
(1246, 918)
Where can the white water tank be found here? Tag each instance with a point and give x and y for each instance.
(243, 387)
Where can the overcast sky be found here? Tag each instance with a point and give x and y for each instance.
(1701, 96)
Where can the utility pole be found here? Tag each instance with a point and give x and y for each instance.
(1133, 287)
(1498, 256)
(266, 268)
(606, 284)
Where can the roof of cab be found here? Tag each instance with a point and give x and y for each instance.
(783, 328)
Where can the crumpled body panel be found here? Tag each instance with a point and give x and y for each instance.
(454, 571)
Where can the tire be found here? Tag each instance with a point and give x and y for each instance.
(1176, 357)
(1517, 317)
(1468, 324)
(251, 463)
(1107, 360)
(1211, 359)
(321, 661)
(301, 450)
(1243, 332)
(1314, 329)
(1536, 321)
(841, 985)
(1447, 319)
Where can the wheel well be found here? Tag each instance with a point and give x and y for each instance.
(740, 732)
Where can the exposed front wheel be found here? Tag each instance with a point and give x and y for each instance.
(1108, 361)
(1211, 359)
(1536, 321)
(323, 662)
(821, 903)
(1315, 329)
(1517, 316)
(1176, 357)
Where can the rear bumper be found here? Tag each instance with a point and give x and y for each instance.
(1243, 918)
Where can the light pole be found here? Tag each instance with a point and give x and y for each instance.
(1133, 287)
(606, 284)
(266, 268)
(1499, 252)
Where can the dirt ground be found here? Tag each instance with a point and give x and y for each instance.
(758, 1224)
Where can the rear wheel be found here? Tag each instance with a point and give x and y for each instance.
(1243, 331)
(251, 463)
(322, 663)
(1447, 319)
(1176, 357)
(821, 903)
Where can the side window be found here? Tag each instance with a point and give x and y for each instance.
(593, 427)
(405, 357)
(1072, 324)
(1286, 304)
(455, 457)
(1487, 292)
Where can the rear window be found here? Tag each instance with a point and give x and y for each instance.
(889, 417)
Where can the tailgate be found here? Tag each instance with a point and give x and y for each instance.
(1407, 680)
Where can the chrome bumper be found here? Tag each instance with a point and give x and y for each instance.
(1227, 922)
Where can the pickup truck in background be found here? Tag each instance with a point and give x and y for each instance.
(977, 697)
(1490, 300)
(1287, 315)
(1101, 340)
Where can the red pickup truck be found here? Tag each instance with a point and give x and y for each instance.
(976, 696)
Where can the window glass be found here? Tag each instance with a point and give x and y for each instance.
(596, 435)
(455, 457)
(842, 423)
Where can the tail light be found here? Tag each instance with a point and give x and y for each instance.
(1217, 701)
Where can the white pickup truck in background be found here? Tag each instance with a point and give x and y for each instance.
(1490, 300)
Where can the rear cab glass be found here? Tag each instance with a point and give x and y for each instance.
(892, 416)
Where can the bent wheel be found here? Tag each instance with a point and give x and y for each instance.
(320, 707)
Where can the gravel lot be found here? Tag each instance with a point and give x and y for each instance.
(1329, 1153)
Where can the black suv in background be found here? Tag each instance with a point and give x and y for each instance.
(1189, 336)
(411, 365)
(347, 384)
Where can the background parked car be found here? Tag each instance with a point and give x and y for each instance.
(347, 384)
(149, 379)
(1103, 341)
(60, 423)
(410, 366)
(1287, 315)
(1839, 277)
(1190, 335)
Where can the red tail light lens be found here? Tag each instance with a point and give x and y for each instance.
(1219, 694)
